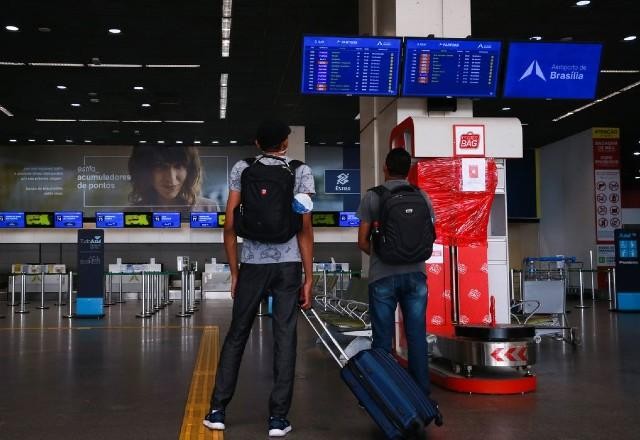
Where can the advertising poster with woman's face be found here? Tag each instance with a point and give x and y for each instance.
(119, 178)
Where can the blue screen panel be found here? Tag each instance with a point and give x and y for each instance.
(350, 65)
(348, 219)
(166, 219)
(204, 219)
(109, 220)
(552, 70)
(68, 219)
(11, 219)
(457, 68)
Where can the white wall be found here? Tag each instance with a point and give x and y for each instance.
(567, 223)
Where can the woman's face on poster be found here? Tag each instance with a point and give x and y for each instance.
(168, 180)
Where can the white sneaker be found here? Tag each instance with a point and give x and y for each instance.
(214, 420)
(279, 427)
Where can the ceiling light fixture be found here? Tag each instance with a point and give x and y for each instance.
(50, 140)
(44, 29)
(138, 88)
(68, 141)
(99, 120)
(87, 141)
(174, 66)
(5, 111)
(115, 31)
(226, 8)
(505, 109)
(12, 28)
(535, 38)
(223, 113)
(233, 142)
(10, 63)
(13, 140)
(224, 79)
(142, 142)
(197, 142)
(619, 71)
(75, 104)
(215, 142)
(226, 48)
(54, 120)
(637, 177)
(184, 122)
(115, 65)
(146, 105)
(583, 2)
(339, 143)
(226, 28)
(597, 101)
(636, 153)
(31, 140)
(61, 87)
(56, 64)
(161, 142)
(630, 38)
(143, 121)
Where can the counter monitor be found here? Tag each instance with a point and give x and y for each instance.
(109, 220)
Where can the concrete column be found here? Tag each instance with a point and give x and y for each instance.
(378, 116)
(296, 143)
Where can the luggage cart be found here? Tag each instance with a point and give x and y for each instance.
(542, 302)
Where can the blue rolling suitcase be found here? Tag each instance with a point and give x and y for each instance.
(385, 389)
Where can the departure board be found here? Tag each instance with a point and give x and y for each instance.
(68, 219)
(456, 68)
(350, 65)
(109, 220)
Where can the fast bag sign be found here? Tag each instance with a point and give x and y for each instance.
(468, 140)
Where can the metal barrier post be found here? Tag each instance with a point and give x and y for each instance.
(13, 291)
(192, 292)
(120, 300)
(23, 294)
(593, 286)
(183, 296)
(70, 297)
(156, 289)
(109, 290)
(582, 305)
(615, 289)
(60, 303)
(609, 285)
(143, 313)
(512, 286)
(42, 306)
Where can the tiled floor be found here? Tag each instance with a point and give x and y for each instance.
(125, 378)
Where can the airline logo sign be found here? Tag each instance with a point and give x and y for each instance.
(468, 140)
(527, 73)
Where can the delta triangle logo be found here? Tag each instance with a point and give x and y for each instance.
(529, 71)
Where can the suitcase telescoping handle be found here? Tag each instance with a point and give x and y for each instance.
(336, 351)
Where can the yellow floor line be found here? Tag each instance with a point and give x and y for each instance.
(202, 380)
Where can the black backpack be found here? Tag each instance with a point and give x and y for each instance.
(266, 193)
(403, 231)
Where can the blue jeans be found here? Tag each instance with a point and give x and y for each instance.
(410, 290)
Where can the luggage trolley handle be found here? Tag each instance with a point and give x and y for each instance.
(337, 350)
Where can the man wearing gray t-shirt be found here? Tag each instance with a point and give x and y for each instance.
(265, 267)
(393, 284)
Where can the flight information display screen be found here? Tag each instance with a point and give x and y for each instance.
(109, 220)
(38, 219)
(137, 220)
(166, 219)
(450, 67)
(11, 219)
(350, 65)
(204, 219)
(348, 219)
(68, 219)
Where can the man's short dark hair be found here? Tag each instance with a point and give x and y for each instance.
(398, 162)
(271, 133)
